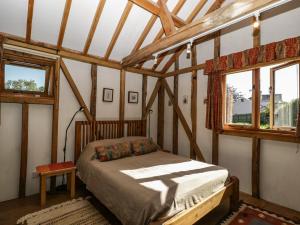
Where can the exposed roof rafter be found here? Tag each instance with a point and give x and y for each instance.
(94, 26)
(190, 18)
(154, 8)
(224, 16)
(64, 23)
(118, 29)
(166, 18)
(217, 4)
(29, 19)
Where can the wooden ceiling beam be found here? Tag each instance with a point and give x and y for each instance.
(154, 8)
(63, 24)
(29, 20)
(118, 29)
(166, 18)
(190, 18)
(94, 26)
(144, 33)
(74, 55)
(219, 17)
(161, 32)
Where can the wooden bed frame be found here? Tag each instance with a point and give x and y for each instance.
(86, 132)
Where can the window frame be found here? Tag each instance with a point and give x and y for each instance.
(236, 125)
(255, 126)
(272, 94)
(47, 69)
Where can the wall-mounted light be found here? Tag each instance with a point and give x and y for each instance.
(189, 49)
(155, 59)
(256, 23)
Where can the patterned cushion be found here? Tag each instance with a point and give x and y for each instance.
(144, 146)
(114, 151)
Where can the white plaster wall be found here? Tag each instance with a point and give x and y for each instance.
(280, 162)
(108, 78)
(133, 83)
(40, 123)
(10, 145)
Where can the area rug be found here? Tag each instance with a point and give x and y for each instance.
(249, 215)
(78, 211)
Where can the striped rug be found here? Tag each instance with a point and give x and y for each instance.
(78, 211)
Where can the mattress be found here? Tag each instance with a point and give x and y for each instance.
(141, 189)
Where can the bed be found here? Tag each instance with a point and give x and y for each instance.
(157, 187)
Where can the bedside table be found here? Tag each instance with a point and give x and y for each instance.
(56, 169)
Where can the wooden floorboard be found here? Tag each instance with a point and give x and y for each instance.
(11, 211)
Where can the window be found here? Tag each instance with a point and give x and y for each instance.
(239, 98)
(285, 96)
(275, 105)
(23, 78)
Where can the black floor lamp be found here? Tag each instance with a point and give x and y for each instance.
(81, 109)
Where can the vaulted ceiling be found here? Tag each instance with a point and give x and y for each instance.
(110, 29)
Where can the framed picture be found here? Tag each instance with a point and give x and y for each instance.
(133, 97)
(108, 95)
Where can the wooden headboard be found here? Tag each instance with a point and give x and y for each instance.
(85, 131)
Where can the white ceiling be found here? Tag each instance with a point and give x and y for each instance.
(48, 15)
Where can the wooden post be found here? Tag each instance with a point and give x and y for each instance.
(256, 118)
(24, 151)
(175, 116)
(144, 103)
(183, 121)
(93, 100)
(144, 96)
(215, 135)
(161, 116)
(55, 114)
(194, 101)
(122, 101)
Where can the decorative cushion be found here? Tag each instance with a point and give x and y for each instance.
(114, 151)
(144, 146)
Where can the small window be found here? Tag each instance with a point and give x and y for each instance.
(285, 95)
(24, 79)
(239, 98)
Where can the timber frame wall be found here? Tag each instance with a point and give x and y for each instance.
(169, 20)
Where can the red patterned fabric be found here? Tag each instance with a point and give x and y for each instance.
(285, 49)
(223, 62)
(291, 47)
(214, 103)
(238, 60)
(209, 66)
(270, 52)
(253, 55)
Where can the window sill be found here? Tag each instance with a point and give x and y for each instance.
(277, 135)
(25, 98)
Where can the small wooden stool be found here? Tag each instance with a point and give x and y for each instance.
(54, 170)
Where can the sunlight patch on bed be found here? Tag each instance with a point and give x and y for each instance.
(158, 185)
(161, 170)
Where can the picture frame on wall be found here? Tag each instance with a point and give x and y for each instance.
(108, 95)
(133, 97)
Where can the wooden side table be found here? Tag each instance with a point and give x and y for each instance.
(56, 169)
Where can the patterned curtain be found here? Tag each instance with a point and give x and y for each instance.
(270, 53)
(214, 102)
